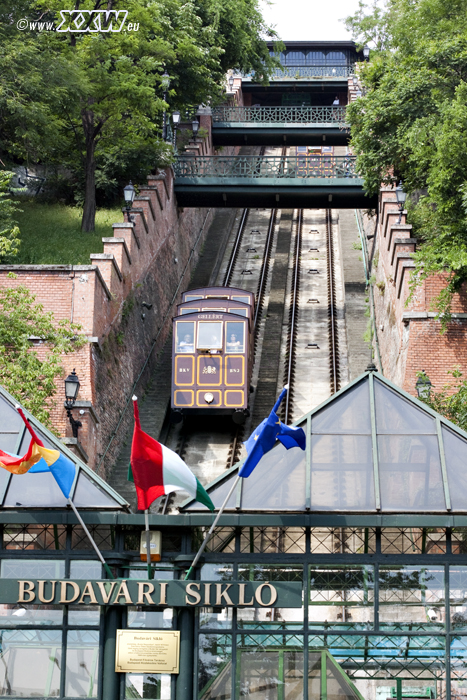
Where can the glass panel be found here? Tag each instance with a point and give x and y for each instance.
(30, 663)
(161, 618)
(315, 58)
(89, 494)
(235, 337)
(39, 537)
(153, 686)
(27, 439)
(244, 300)
(289, 540)
(193, 297)
(413, 540)
(84, 615)
(158, 573)
(394, 414)
(342, 472)
(188, 310)
(341, 597)
(210, 335)
(10, 420)
(278, 482)
(34, 491)
(216, 572)
(33, 568)
(455, 450)
(185, 337)
(350, 413)
(336, 58)
(410, 473)
(295, 58)
(85, 569)
(346, 540)
(82, 664)
(103, 535)
(411, 598)
(215, 667)
(314, 676)
(270, 667)
(239, 312)
(218, 495)
(458, 596)
(221, 540)
(337, 686)
(31, 615)
(459, 540)
(270, 618)
(8, 442)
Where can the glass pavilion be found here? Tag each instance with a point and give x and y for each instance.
(371, 519)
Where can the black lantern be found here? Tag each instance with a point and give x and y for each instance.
(231, 82)
(129, 194)
(423, 385)
(366, 52)
(71, 392)
(176, 121)
(401, 196)
(195, 127)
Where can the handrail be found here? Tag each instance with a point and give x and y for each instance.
(254, 167)
(282, 115)
(300, 72)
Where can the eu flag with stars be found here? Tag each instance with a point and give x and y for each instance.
(264, 438)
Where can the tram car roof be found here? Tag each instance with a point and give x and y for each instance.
(207, 316)
(214, 303)
(219, 292)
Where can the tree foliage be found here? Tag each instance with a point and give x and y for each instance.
(77, 100)
(9, 231)
(411, 124)
(451, 399)
(25, 372)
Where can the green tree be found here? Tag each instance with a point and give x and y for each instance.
(26, 373)
(451, 399)
(412, 125)
(9, 231)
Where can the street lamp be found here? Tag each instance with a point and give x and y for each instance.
(165, 82)
(366, 52)
(71, 392)
(129, 194)
(231, 82)
(176, 122)
(401, 196)
(355, 79)
(423, 385)
(195, 127)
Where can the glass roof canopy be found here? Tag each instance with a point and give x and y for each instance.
(371, 448)
(41, 490)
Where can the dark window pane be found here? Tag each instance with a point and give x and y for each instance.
(455, 450)
(394, 414)
(342, 472)
(350, 413)
(410, 473)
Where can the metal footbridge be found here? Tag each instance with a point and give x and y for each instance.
(303, 181)
(279, 126)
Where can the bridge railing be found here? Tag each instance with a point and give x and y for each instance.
(304, 72)
(254, 167)
(280, 115)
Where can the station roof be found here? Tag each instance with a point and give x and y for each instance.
(40, 490)
(371, 448)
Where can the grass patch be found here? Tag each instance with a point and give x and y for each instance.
(51, 233)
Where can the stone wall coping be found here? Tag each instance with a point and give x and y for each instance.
(148, 200)
(153, 188)
(132, 226)
(136, 210)
(424, 315)
(119, 240)
(161, 176)
(74, 442)
(107, 256)
(402, 241)
(89, 406)
(405, 240)
(124, 224)
(59, 268)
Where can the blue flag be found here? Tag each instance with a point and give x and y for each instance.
(264, 438)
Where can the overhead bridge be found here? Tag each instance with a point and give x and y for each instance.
(303, 181)
(279, 126)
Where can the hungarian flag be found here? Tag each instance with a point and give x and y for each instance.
(156, 470)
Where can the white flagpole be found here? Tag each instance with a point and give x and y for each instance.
(221, 509)
(96, 548)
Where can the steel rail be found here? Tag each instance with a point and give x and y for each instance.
(235, 249)
(333, 339)
(293, 315)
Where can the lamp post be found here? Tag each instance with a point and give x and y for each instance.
(231, 82)
(165, 82)
(366, 52)
(423, 385)
(129, 194)
(176, 122)
(71, 392)
(401, 196)
(195, 127)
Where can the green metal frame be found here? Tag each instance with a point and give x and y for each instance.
(304, 72)
(279, 115)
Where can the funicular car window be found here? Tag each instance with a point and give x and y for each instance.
(185, 337)
(244, 300)
(239, 312)
(235, 337)
(193, 297)
(209, 335)
(189, 310)
(210, 308)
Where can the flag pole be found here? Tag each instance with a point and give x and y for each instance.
(96, 548)
(216, 520)
(148, 543)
